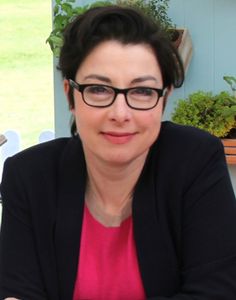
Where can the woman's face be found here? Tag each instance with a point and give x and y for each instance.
(118, 134)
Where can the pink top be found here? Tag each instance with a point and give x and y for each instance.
(108, 266)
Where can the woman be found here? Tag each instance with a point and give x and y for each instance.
(130, 207)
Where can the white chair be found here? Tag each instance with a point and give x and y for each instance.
(12, 146)
(46, 135)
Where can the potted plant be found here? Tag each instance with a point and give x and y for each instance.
(230, 141)
(213, 113)
(65, 10)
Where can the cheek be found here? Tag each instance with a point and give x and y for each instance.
(152, 125)
(79, 109)
(152, 120)
(87, 119)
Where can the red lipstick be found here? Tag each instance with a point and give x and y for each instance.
(118, 137)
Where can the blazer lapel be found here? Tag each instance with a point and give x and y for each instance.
(157, 267)
(72, 178)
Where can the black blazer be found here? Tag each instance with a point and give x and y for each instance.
(184, 215)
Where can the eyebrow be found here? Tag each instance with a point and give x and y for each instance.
(98, 77)
(144, 78)
(108, 80)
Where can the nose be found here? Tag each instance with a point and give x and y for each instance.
(119, 111)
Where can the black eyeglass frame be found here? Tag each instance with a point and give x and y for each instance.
(81, 87)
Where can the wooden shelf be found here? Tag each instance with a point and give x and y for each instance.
(231, 159)
(230, 150)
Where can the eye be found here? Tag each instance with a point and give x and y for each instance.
(142, 92)
(98, 90)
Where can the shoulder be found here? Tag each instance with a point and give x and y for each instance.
(186, 141)
(42, 158)
(40, 169)
(188, 134)
(40, 153)
(186, 152)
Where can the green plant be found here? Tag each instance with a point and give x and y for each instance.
(231, 80)
(155, 9)
(213, 113)
(65, 11)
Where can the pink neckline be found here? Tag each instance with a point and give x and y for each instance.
(124, 223)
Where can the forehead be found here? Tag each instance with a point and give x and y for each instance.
(112, 58)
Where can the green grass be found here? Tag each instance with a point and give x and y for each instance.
(26, 76)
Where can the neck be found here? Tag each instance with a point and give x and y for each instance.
(110, 189)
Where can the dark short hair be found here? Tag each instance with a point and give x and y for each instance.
(123, 24)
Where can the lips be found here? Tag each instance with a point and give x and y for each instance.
(118, 137)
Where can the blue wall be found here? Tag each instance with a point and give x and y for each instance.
(212, 25)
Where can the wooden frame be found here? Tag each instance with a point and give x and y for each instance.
(185, 47)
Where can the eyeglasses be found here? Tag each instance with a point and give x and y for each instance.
(99, 95)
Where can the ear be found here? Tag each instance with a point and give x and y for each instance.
(166, 95)
(168, 92)
(66, 87)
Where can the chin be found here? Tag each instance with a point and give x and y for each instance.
(122, 159)
(118, 161)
